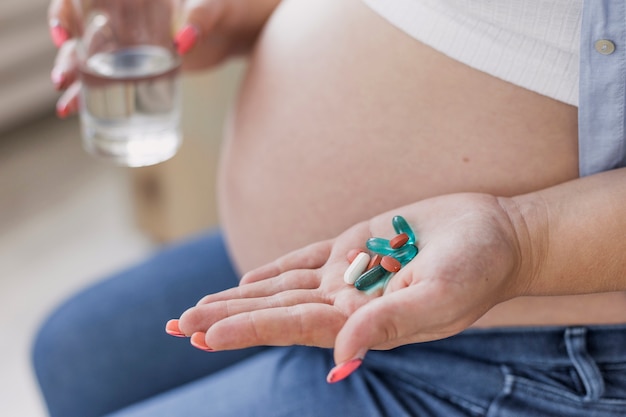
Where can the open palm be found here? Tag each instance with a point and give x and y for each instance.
(469, 260)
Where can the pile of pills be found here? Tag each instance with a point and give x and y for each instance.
(386, 257)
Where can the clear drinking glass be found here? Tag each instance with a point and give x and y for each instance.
(130, 106)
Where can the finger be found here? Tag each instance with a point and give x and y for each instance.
(292, 280)
(425, 311)
(204, 14)
(199, 19)
(65, 70)
(302, 324)
(202, 317)
(62, 21)
(310, 257)
(67, 104)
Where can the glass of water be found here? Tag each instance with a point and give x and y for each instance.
(130, 106)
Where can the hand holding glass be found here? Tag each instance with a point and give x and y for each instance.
(130, 104)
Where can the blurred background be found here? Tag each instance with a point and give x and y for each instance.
(67, 219)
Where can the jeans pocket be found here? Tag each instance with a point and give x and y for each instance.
(615, 382)
(543, 395)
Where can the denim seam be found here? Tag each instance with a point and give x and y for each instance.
(616, 366)
(588, 372)
(414, 382)
(443, 394)
(551, 393)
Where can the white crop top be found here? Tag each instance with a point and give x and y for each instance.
(531, 43)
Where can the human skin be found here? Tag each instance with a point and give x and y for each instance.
(224, 28)
(339, 122)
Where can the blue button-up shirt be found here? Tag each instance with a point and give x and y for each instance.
(602, 105)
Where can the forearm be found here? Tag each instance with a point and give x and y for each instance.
(573, 236)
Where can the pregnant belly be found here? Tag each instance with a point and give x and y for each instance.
(342, 116)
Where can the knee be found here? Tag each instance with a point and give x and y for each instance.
(56, 356)
(55, 345)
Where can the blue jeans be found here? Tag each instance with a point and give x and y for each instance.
(105, 353)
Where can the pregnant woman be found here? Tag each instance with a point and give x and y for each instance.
(496, 129)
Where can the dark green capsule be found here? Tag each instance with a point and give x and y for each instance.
(371, 278)
(379, 245)
(400, 225)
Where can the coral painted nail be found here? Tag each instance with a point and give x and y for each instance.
(172, 329)
(343, 370)
(58, 34)
(185, 39)
(66, 109)
(197, 341)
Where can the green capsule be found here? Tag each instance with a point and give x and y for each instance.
(400, 225)
(405, 253)
(379, 245)
(371, 278)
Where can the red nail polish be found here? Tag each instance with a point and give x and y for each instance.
(185, 39)
(172, 329)
(343, 370)
(197, 341)
(63, 110)
(58, 34)
(66, 109)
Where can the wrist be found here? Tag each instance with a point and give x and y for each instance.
(528, 218)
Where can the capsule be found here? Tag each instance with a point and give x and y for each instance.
(400, 225)
(356, 268)
(352, 253)
(379, 245)
(405, 254)
(369, 279)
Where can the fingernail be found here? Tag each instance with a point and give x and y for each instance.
(197, 341)
(62, 110)
(185, 39)
(58, 33)
(172, 329)
(343, 370)
(65, 110)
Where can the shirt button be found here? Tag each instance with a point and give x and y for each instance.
(605, 46)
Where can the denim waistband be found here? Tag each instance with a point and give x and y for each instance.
(539, 345)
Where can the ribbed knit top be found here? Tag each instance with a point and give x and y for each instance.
(531, 43)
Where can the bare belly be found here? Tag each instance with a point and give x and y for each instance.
(341, 116)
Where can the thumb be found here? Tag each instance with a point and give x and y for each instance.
(376, 324)
(199, 18)
(421, 312)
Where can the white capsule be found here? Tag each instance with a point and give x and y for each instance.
(356, 268)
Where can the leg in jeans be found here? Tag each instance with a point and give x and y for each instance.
(511, 372)
(106, 347)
